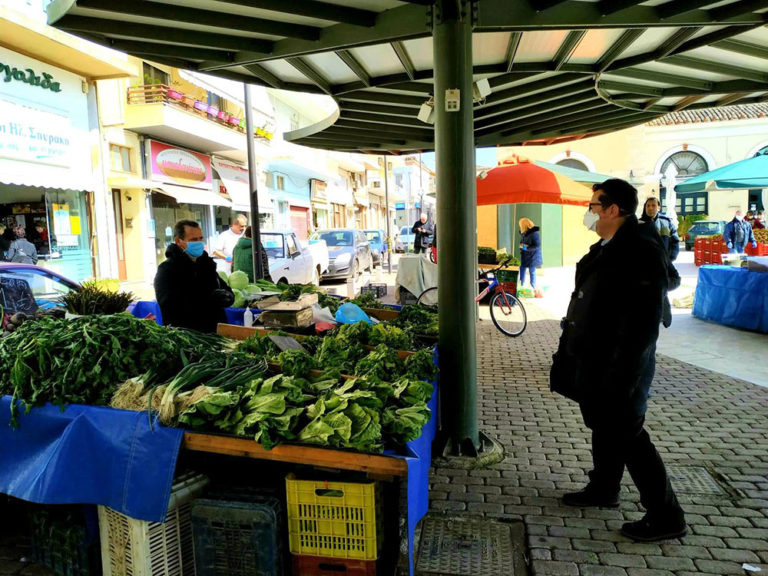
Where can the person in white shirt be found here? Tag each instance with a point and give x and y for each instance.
(225, 243)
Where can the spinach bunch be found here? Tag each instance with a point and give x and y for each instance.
(383, 363)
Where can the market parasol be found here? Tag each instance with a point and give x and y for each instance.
(751, 173)
(519, 180)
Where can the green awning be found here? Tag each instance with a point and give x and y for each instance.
(751, 173)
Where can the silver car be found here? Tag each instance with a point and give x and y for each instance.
(349, 252)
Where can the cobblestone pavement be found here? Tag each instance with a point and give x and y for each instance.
(697, 418)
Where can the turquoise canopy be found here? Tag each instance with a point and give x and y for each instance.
(751, 173)
(574, 173)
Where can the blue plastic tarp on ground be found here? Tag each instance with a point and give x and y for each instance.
(89, 455)
(733, 297)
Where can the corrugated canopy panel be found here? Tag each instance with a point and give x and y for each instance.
(557, 69)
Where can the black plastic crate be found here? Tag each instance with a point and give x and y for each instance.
(377, 289)
(61, 541)
(238, 537)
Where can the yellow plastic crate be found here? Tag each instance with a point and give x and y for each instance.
(333, 519)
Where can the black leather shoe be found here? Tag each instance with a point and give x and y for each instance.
(589, 497)
(647, 530)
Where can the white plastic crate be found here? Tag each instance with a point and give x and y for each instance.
(131, 547)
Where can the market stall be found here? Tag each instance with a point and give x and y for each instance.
(733, 296)
(138, 396)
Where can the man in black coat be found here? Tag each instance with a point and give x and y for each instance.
(187, 287)
(606, 359)
(422, 231)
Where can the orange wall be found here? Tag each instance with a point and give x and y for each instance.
(487, 226)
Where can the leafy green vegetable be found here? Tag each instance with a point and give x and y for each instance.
(295, 362)
(383, 363)
(389, 335)
(238, 280)
(420, 365)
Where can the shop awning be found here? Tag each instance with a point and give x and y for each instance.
(41, 176)
(235, 179)
(184, 195)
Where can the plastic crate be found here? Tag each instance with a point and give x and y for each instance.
(377, 289)
(507, 275)
(317, 566)
(240, 537)
(334, 519)
(59, 540)
(131, 547)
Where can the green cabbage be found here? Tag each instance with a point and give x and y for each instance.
(239, 298)
(238, 279)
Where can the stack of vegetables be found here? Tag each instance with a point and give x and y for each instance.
(85, 359)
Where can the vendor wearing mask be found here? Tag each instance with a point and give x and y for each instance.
(738, 233)
(188, 289)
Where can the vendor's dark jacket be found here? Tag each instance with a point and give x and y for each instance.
(531, 256)
(609, 334)
(184, 291)
(420, 239)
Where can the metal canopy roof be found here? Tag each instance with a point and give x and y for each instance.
(558, 69)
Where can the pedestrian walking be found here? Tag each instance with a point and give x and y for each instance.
(606, 359)
(530, 253)
(422, 231)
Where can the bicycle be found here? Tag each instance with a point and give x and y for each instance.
(507, 312)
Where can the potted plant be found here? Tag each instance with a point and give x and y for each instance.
(235, 121)
(213, 110)
(223, 115)
(174, 94)
(202, 106)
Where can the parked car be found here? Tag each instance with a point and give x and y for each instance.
(404, 240)
(290, 261)
(378, 241)
(349, 252)
(27, 288)
(703, 228)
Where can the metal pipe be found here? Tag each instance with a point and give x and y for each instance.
(389, 224)
(258, 268)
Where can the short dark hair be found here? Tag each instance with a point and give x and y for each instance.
(619, 192)
(248, 232)
(179, 228)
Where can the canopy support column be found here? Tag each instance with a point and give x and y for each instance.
(253, 178)
(457, 217)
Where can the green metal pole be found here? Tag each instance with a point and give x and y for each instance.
(457, 215)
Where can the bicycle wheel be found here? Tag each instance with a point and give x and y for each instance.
(428, 298)
(508, 314)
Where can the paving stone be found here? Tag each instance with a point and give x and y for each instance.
(734, 555)
(719, 567)
(578, 556)
(552, 568)
(685, 551)
(670, 563)
(717, 531)
(590, 570)
(623, 560)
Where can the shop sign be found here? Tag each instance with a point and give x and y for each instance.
(399, 205)
(31, 135)
(178, 166)
(28, 76)
(319, 191)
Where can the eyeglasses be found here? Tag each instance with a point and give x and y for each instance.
(594, 204)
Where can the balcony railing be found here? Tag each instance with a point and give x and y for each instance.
(160, 93)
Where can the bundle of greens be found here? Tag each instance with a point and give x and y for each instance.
(421, 366)
(94, 298)
(295, 363)
(417, 319)
(368, 300)
(392, 336)
(84, 360)
(382, 363)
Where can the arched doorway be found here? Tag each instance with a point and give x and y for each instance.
(688, 164)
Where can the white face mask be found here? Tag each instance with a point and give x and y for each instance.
(739, 217)
(590, 220)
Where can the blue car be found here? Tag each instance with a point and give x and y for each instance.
(378, 242)
(28, 288)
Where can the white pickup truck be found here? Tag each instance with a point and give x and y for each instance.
(292, 261)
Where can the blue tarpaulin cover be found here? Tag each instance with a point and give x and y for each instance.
(732, 296)
(89, 455)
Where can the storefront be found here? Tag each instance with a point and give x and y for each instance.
(231, 179)
(290, 186)
(320, 217)
(183, 189)
(46, 173)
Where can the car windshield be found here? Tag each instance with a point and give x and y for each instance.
(336, 237)
(405, 231)
(273, 244)
(373, 236)
(27, 290)
(705, 228)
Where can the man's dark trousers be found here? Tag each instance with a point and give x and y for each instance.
(618, 440)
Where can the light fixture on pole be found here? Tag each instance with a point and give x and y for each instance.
(480, 90)
(427, 112)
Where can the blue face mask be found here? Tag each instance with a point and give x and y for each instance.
(195, 249)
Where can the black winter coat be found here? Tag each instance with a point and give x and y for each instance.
(608, 345)
(421, 240)
(184, 289)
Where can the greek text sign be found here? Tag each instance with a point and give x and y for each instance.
(31, 135)
(45, 81)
